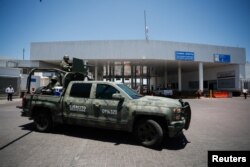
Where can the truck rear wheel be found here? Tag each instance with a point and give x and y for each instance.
(43, 122)
(149, 133)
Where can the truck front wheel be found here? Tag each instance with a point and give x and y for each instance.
(149, 133)
(43, 122)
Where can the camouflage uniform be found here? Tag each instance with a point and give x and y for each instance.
(66, 66)
(53, 83)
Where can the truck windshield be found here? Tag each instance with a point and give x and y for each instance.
(133, 94)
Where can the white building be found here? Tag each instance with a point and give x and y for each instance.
(14, 72)
(152, 64)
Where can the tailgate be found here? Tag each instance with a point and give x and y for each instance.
(26, 104)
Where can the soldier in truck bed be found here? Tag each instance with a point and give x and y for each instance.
(52, 84)
(65, 64)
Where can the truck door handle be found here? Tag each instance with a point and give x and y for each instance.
(97, 105)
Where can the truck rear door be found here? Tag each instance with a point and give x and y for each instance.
(77, 103)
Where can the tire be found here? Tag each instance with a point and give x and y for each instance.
(149, 133)
(187, 115)
(43, 122)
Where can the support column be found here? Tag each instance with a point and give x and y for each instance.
(110, 69)
(165, 76)
(148, 80)
(96, 72)
(107, 69)
(179, 78)
(113, 71)
(133, 76)
(122, 72)
(201, 76)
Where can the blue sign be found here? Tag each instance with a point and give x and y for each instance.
(222, 58)
(33, 79)
(186, 56)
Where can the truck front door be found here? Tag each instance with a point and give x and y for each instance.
(105, 108)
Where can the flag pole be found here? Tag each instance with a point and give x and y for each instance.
(145, 24)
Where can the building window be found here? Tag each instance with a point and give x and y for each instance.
(226, 83)
(212, 85)
(193, 84)
(205, 84)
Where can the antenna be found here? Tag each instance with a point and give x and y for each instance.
(145, 24)
(23, 53)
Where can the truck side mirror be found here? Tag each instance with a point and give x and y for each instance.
(117, 96)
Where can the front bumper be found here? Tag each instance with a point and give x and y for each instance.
(175, 128)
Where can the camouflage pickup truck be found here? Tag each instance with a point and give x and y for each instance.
(108, 105)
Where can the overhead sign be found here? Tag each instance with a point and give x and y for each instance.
(226, 74)
(222, 58)
(186, 56)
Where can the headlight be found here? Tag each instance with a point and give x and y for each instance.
(177, 110)
(177, 113)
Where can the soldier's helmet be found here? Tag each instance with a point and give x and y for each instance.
(66, 57)
(54, 78)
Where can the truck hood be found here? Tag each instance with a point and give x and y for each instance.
(158, 101)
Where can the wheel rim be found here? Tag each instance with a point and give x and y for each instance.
(146, 132)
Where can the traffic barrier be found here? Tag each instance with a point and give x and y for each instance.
(221, 94)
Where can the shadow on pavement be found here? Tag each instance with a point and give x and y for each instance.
(15, 140)
(112, 136)
(176, 143)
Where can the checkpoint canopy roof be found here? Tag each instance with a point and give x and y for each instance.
(137, 50)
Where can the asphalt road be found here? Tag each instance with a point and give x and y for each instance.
(217, 124)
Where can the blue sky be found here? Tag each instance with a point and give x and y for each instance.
(216, 22)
